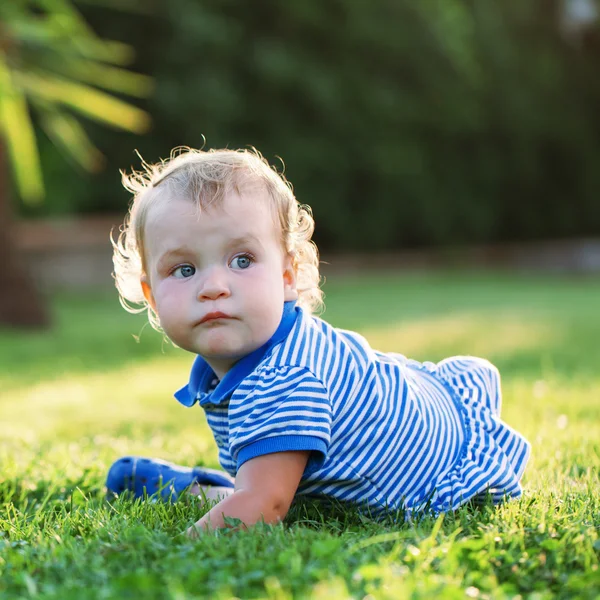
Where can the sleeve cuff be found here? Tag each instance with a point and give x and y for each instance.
(287, 443)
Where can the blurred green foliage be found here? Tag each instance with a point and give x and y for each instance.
(53, 65)
(401, 123)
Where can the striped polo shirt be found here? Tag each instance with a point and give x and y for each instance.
(383, 431)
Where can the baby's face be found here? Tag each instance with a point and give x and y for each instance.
(217, 280)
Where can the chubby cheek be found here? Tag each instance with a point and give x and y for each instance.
(264, 299)
(170, 299)
(263, 284)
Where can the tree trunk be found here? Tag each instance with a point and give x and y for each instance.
(21, 304)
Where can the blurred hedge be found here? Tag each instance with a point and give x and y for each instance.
(402, 123)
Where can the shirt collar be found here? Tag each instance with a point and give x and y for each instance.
(201, 376)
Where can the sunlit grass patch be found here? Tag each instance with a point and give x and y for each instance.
(463, 334)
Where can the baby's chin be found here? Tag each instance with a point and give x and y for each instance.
(223, 348)
(226, 351)
(223, 361)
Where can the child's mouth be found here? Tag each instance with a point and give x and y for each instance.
(213, 316)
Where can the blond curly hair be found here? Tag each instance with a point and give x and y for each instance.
(205, 177)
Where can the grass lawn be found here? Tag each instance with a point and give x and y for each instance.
(74, 399)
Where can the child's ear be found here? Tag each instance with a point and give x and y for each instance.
(148, 292)
(290, 291)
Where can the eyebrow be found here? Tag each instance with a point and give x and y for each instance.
(243, 239)
(171, 254)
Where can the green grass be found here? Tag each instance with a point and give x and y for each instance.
(74, 399)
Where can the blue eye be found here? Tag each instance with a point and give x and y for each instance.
(184, 272)
(243, 261)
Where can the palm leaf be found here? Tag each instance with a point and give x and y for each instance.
(86, 100)
(18, 132)
(130, 6)
(111, 51)
(67, 134)
(64, 32)
(108, 77)
(52, 57)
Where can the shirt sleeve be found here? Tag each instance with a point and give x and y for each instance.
(279, 410)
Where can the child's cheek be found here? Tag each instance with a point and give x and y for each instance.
(167, 291)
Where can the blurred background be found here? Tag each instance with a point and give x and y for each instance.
(420, 127)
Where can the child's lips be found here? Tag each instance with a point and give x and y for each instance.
(213, 316)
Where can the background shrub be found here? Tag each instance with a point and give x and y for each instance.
(403, 124)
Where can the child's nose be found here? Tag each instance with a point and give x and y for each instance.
(214, 285)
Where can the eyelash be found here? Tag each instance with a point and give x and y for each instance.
(243, 255)
(178, 268)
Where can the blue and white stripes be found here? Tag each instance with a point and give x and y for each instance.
(383, 430)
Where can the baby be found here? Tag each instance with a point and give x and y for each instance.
(219, 251)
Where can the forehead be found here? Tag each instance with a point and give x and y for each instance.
(237, 213)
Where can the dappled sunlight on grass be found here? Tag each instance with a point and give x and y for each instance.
(562, 422)
(463, 333)
(535, 326)
(134, 403)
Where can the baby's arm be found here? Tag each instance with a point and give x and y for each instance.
(264, 489)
